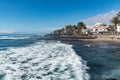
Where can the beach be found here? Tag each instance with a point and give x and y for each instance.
(111, 39)
(114, 38)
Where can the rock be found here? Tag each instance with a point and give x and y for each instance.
(111, 79)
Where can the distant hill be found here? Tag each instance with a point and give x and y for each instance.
(106, 17)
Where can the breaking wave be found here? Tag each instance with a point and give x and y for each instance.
(42, 61)
(14, 37)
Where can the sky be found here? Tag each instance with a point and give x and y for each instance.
(44, 16)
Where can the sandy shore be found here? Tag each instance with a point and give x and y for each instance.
(93, 38)
(104, 38)
(98, 38)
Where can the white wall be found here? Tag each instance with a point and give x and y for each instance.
(102, 30)
(118, 28)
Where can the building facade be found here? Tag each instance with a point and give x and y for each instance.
(99, 27)
(118, 28)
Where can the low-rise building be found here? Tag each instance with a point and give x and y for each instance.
(118, 28)
(99, 27)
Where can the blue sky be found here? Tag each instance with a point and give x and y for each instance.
(43, 16)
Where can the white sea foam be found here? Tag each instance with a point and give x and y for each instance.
(42, 61)
(14, 37)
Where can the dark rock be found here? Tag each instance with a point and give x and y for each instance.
(111, 79)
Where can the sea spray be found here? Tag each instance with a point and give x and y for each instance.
(42, 61)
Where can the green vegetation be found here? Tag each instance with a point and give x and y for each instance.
(110, 28)
(116, 20)
(72, 29)
(118, 14)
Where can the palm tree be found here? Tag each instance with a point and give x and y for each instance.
(110, 28)
(118, 14)
(68, 29)
(115, 20)
(74, 30)
(81, 26)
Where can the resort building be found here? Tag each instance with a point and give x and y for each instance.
(118, 28)
(99, 27)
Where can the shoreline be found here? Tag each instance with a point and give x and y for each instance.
(94, 38)
(97, 41)
(105, 38)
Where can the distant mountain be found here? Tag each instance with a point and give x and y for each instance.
(106, 17)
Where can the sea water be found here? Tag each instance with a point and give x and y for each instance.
(103, 58)
(22, 57)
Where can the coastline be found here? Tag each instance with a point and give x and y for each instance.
(104, 38)
(93, 38)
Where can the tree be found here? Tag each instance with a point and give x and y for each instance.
(81, 26)
(115, 20)
(74, 29)
(118, 14)
(68, 29)
(110, 28)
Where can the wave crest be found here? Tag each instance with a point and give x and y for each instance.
(42, 61)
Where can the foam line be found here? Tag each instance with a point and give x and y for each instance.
(42, 61)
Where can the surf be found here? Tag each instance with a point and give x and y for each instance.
(44, 60)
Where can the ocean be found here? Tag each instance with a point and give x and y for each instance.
(27, 57)
(31, 57)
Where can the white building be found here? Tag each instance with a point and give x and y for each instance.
(99, 27)
(118, 28)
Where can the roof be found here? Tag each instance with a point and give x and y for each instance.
(97, 27)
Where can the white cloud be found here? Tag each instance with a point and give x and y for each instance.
(105, 17)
